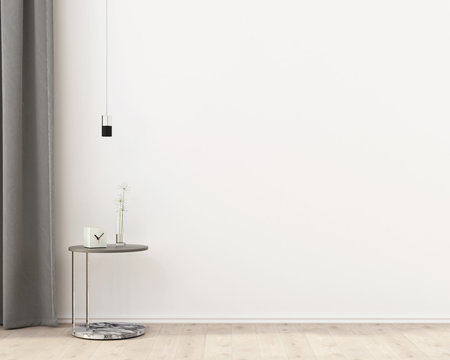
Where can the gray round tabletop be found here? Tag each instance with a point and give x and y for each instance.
(110, 248)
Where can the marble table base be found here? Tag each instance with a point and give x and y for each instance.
(108, 331)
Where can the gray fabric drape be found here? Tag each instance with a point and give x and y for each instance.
(27, 262)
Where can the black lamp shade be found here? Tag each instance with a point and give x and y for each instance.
(106, 126)
(107, 130)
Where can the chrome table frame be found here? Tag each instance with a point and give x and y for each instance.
(102, 330)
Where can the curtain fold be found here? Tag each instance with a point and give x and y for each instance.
(27, 291)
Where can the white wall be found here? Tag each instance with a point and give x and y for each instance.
(287, 159)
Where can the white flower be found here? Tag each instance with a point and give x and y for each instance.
(121, 200)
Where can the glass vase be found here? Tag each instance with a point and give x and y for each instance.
(119, 233)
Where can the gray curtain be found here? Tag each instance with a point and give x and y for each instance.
(27, 288)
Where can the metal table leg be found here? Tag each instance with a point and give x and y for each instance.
(87, 290)
(73, 294)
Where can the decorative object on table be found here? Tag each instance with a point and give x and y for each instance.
(120, 214)
(106, 118)
(94, 237)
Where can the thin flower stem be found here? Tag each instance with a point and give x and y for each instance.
(121, 215)
(123, 208)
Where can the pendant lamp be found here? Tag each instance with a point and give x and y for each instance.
(106, 118)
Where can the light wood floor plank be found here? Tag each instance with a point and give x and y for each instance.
(140, 348)
(78, 349)
(112, 350)
(351, 346)
(35, 343)
(441, 334)
(18, 343)
(295, 343)
(166, 342)
(396, 341)
(322, 343)
(50, 344)
(270, 342)
(4, 333)
(218, 342)
(433, 344)
(245, 343)
(375, 342)
(191, 344)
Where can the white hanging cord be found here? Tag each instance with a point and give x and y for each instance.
(106, 57)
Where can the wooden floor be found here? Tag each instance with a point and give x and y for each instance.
(249, 341)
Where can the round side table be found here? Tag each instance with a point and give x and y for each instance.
(102, 330)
